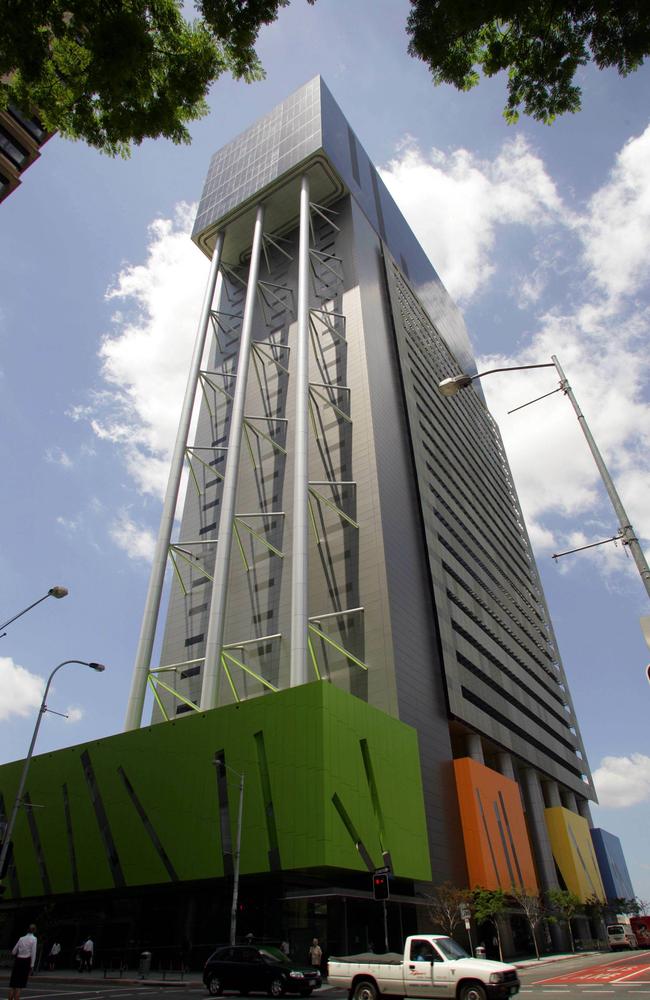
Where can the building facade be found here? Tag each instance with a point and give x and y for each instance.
(354, 618)
(345, 522)
(21, 138)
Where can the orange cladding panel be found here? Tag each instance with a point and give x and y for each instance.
(497, 848)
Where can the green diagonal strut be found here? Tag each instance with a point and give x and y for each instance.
(341, 649)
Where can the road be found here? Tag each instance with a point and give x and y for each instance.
(612, 976)
(607, 975)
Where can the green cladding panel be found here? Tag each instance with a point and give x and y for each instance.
(330, 782)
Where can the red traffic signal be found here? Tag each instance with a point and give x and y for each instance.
(380, 887)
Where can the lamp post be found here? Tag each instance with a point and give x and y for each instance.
(23, 777)
(57, 592)
(453, 385)
(223, 767)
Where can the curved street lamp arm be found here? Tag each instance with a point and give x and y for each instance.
(9, 829)
(515, 368)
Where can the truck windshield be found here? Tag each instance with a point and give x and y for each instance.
(450, 948)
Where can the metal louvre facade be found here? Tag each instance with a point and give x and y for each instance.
(503, 672)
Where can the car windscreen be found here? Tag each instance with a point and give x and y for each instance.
(615, 928)
(274, 955)
(450, 948)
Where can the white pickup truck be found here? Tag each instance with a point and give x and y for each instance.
(432, 965)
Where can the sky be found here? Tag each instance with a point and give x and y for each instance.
(541, 234)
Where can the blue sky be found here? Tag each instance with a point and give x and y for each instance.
(542, 235)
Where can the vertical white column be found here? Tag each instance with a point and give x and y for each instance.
(474, 747)
(506, 765)
(216, 620)
(156, 580)
(300, 560)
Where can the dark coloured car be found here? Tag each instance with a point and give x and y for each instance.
(263, 969)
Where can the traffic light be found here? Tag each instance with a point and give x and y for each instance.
(380, 887)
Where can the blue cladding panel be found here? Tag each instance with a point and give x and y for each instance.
(611, 861)
(261, 154)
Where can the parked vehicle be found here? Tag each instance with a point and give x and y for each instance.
(263, 969)
(620, 936)
(641, 930)
(432, 965)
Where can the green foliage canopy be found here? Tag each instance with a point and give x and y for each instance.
(540, 45)
(115, 72)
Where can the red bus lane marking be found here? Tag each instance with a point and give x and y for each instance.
(605, 972)
(639, 970)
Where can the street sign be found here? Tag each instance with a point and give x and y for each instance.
(467, 923)
(465, 912)
(383, 871)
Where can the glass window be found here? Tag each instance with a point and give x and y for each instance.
(31, 123)
(12, 148)
(421, 951)
(450, 948)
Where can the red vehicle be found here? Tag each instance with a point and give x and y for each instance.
(641, 929)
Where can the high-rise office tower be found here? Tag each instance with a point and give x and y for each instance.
(345, 522)
(357, 659)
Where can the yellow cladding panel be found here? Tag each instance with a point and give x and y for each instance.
(574, 853)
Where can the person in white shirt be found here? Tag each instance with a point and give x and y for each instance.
(87, 950)
(24, 952)
(53, 957)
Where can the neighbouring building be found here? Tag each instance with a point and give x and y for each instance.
(355, 622)
(21, 138)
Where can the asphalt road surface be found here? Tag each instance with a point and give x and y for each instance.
(614, 976)
(611, 974)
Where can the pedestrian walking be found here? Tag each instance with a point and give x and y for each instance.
(87, 951)
(53, 957)
(24, 952)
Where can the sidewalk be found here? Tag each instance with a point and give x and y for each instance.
(525, 963)
(194, 981)
(190, 980)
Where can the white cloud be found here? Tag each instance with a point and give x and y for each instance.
(598, 326)
(623, 781)
(74, 714)
(20, 691)
(137, 542)
(455, 202)
(145, 362)
(58, 456)
(458, 205)
(616, 230)
(69, 525)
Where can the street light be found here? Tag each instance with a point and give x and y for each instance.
(222, 767)
(99, 667)
(453, 385)
(57, 592)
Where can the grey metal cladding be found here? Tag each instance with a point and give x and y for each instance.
(309, 122)
(502, 669)
(381, 210)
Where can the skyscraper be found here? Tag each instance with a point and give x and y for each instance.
(345, 522)
(355, 624)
